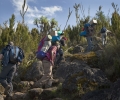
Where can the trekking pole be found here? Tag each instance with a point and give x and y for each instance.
(70, 12)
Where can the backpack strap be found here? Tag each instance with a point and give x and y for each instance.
(41, 44)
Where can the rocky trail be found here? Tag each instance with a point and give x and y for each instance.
(74, 79)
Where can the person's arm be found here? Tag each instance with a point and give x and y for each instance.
(1, 56)
(108, 31)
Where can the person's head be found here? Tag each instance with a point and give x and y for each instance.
(11, 43)
(93, 22)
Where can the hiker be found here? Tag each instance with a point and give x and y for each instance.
(60, 52)
(43, 47)
(104, 32)
(88, 32)
(48, 63)
(9, 66)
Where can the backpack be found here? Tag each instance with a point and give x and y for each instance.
(103, 30)
(86, 26)
(55, 38)
(41, 44)
(83, 33)
(12, 54)
(40, 54)
(48, 54)
(16, 54)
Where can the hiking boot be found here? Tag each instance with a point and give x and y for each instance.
(6, 92)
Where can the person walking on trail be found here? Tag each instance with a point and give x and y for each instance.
(47, 43)
(88, 33)
(89, 27)
(9, 64)
(104, 33)
(43, 47)
(48, 63)
(60, 53)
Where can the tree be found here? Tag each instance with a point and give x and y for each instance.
(115, 21)
(23, 11)
(45, 25)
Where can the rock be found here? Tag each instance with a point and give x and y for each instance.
(20, 96)
(97, 95)
(1, 97)
(78, 49)
(1, 89)
(85, 79)
(35, 92)
(68, 67)
(47, 93)
(49, 90)
(115, 91)
(22, 86)
(35, 72)
(112, 93)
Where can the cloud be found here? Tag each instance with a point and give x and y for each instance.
(33, 12)
(51, 10)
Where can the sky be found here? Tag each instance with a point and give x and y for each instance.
(58, 9)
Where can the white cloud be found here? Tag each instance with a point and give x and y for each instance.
(34, 12)
(51, 10)
(30, 21)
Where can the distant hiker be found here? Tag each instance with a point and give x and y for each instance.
(43, 47)
(58, 36)
(104, 32)
(48, 63)
(60, 52)
(88, 32)
(11, 56)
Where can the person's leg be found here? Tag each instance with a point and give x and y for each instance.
(3, 76)
(10, 77)
(47, 66)
(89, 42)
(60, 57)
(103, 40)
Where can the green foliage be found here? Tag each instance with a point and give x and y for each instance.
(21, 37)
(45, 25)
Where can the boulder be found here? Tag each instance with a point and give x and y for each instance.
(78, 49)
(1, 89)
(35, 72)
(20, 96)
(35, 92)
(86, 79)
(1, 97)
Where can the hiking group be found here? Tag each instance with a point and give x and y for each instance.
(89, 30)
(49, 52)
